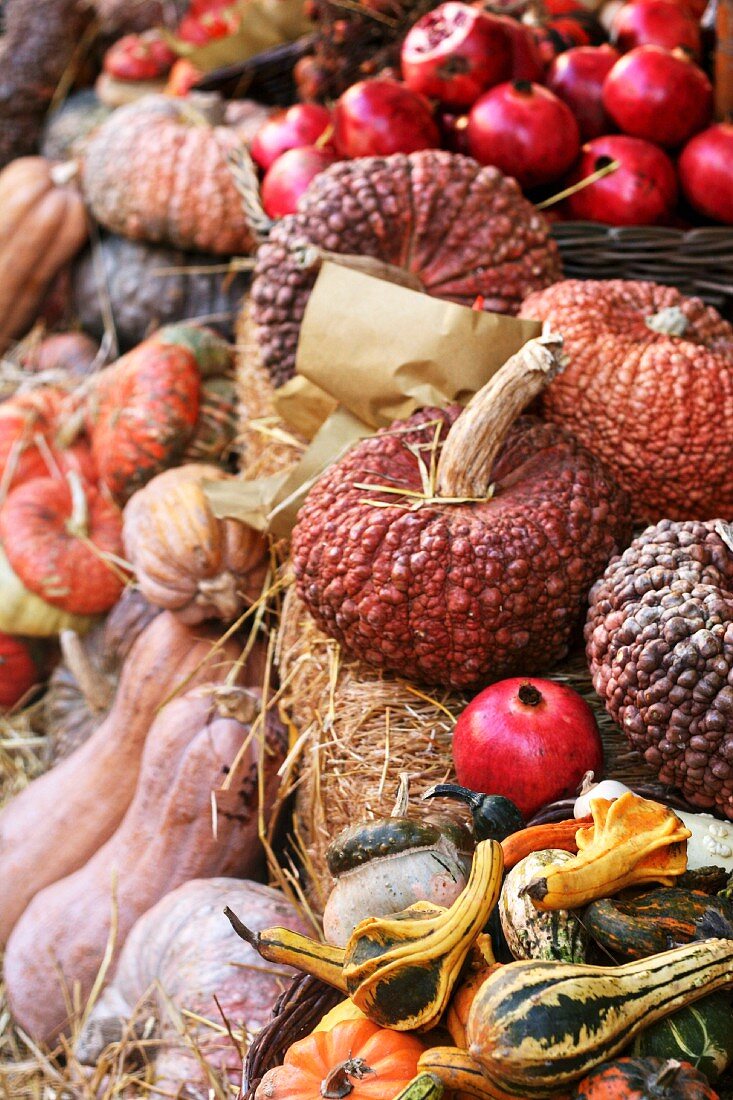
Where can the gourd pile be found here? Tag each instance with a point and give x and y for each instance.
(206, 709)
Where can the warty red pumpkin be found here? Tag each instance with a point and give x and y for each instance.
(29, 423)
(648, 389)
(459, 229)
(62, 538)
(452, 585)
(156, 170)
(659, 641)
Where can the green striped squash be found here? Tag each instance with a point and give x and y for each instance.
(529, 932)
(701, 1034)
(537, 1027)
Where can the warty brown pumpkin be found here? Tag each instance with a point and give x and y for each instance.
(648, 389)
(156, 170)
(187, 560)
(166, 837)
(43, 225)
(57, 823)
(453, 584)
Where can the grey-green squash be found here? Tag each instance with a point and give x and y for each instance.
(701, 1033)
(530, 933)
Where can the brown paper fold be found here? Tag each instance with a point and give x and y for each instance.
(370, 352)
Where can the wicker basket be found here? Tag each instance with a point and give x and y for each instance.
(698, 262)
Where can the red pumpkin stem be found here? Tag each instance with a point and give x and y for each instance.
(77, 525)
(670, 321)
(337, 1084)
(472, 444)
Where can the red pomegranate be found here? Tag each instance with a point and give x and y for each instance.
(18, 672)
(655, 23)
(289, 176)
(530, 740)
(454, 53)
(525, 130)
(139, 57)
(660, 96)
(527, 60)
(381, 116)
(577, 77)
(642, 191)
(302, 124)
(706, 172)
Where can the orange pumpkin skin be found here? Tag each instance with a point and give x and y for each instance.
(18, 672)
(141, 414)
(28, 425)
(391, 1055)
(156, 170)
(656, 409)
(642, 1078)
(185, 558)
(46, 539)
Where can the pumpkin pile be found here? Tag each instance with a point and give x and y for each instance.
(206, 709)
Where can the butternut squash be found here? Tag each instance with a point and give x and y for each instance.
(165, 839)
(54, 825)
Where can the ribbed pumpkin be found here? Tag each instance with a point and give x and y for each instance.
(18, 672)
(355, 1058)
(55, 534)
(648, 388)
(187, 560)
(156, 170)
(642, 1078)
(142, 413)
(42, 226)
(28, 426)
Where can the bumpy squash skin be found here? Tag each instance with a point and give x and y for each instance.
(659, 642)
(530, 933)
(375, 578)
(165, 839)
(57, 823)
(156, 171)
(657, 409)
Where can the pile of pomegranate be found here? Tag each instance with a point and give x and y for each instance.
(635, 113)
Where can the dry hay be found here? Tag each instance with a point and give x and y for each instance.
(264, 442)
(354, 732)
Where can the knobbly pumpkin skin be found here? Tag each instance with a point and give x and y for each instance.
(43, 225)
(141, 414)
(644, 1078)
(187, 560)
(375, 578)
(391, 1056)
(156, 170)
(657, 409)
(55, 537)
(18, 672)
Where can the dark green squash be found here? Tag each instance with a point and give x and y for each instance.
(149, 286)
(701, 1034)
(494, 817)
(634, 927)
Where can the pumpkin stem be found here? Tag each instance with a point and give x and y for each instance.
(670, 321)
(98, 692)
(493, 816)
(244, 933)
(403, 795)
(64, 173)
(472, 444)
(77, 525)
(310, 258)
(337, 1084)
(665, 1076)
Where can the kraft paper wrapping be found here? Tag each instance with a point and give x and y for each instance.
(370, 352)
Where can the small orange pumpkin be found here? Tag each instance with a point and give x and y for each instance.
(356, 1058)
(28, 447)
(56, 534)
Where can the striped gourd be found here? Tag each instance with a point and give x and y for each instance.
(536, 1027)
